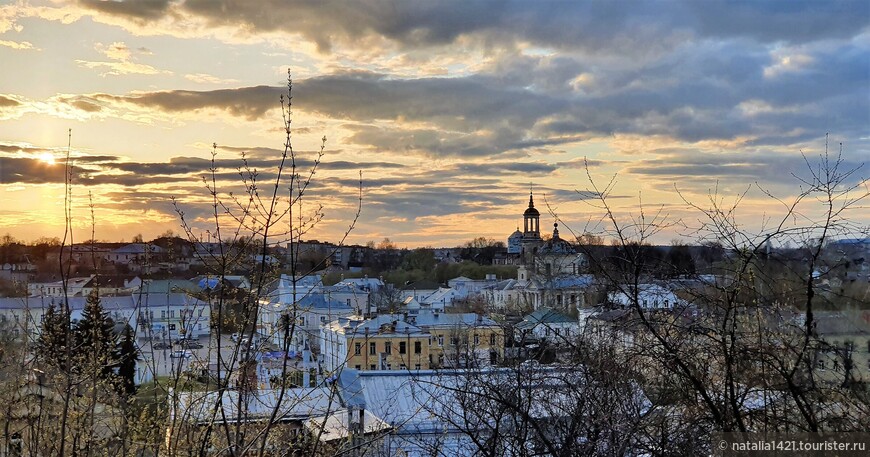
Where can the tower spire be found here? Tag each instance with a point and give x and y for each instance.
(531, 197)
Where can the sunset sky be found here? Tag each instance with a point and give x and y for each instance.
(449, 109)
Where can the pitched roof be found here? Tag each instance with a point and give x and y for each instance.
(295, 404)
(319, 301)
(390, 323)
(429, 318)
(544, 316)
(137, 248)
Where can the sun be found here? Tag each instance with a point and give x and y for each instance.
(47, 158)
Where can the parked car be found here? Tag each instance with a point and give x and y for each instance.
(191, 344)
(161, 345)
(181, 354)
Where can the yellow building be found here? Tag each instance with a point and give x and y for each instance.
(462, 339)
(386, 342)
(845, 355)
(418, 341)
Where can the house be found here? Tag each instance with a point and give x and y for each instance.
(546, 324)
(89, 253)
(56, 288)
(845, 354)
(507, 294)
(222, 282)
(466, 287)
(162, 316)
(383, 343)
(647, 296)
(310, 312)
(24, 315)
(419, 340)
(311, 303)
(430, 409)
(372, 285)
(134, 253)
(17, 273)
(435, 299)
(108, 285)
(191, 411)
(460, 339)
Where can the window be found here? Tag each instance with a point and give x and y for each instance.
(357, 367)
(389, 366)
(403, 348)
(163, 314)
(348, 302)
(418, 347)
(322, 319)
(492, 339)
(440, 340)
(357, 348)
(403, 367)
(388, 347)
(454, 340)
(373, 348)
(476, 339)
(820, 364)
(416, 366)
(172, 314)
(373, 367)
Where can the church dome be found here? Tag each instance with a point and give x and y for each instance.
(516, 234)
(531, 211)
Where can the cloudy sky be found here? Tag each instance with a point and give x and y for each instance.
(450, 110)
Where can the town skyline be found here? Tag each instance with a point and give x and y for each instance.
(448, 118)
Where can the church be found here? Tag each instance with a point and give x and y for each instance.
(550, 269)
(550, 256)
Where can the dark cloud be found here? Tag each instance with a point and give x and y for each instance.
(86, 106)
(691, 168)
(32, 171)
(602, 27)
(699, 93)
(248, 102)
(7, 102)
(12, 147)
(139, 10)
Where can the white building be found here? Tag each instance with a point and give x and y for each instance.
(649, 296)
(311, 304)
(56, 288)
(134, 253)
(171, 316)
(466, 287)
(152, 316)
(546, 324)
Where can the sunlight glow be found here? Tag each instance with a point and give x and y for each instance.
(47, 158)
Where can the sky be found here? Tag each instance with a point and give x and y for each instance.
(449, 111)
